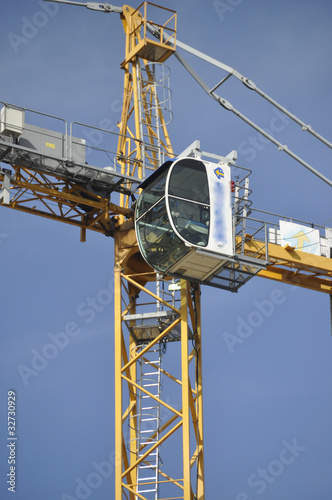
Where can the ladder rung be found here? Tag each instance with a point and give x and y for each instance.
(147, 479)
(151, 466)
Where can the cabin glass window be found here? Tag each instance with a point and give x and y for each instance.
(159, 244)
(189, 180)
(151, 194)
(189, 201)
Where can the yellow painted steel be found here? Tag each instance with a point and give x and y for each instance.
(196, 320)
(187, 420)
(118, 382)
(292, 266)
(185, 392)
(61, 200)
(140, 49)
(139, 44)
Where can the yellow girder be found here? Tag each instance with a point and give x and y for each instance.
(293, 266)
(62, 200)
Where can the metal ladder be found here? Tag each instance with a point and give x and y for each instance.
(149, 421)
(147, 418)
(155, 112)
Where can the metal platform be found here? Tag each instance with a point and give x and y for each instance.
(61, 153)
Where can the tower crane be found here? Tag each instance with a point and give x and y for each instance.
(179, 221)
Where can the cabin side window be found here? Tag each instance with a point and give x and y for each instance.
(151, 195)
(160, 246)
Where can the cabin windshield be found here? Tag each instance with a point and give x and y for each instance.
(189, 201)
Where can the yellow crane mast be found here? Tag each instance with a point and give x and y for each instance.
(154, 305)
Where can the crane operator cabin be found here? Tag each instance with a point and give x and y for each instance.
(184, 218)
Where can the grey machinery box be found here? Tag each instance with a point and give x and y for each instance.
(51, 144)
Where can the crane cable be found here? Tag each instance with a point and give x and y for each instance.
(252, 86)
(229, 107)
(103, 7)
(155, 31)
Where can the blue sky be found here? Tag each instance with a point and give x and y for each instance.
(267, 404)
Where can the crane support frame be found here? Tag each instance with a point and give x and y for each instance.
(183, 417)
(135, 110)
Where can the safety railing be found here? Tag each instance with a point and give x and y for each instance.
(165, 26)
(51, 142)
